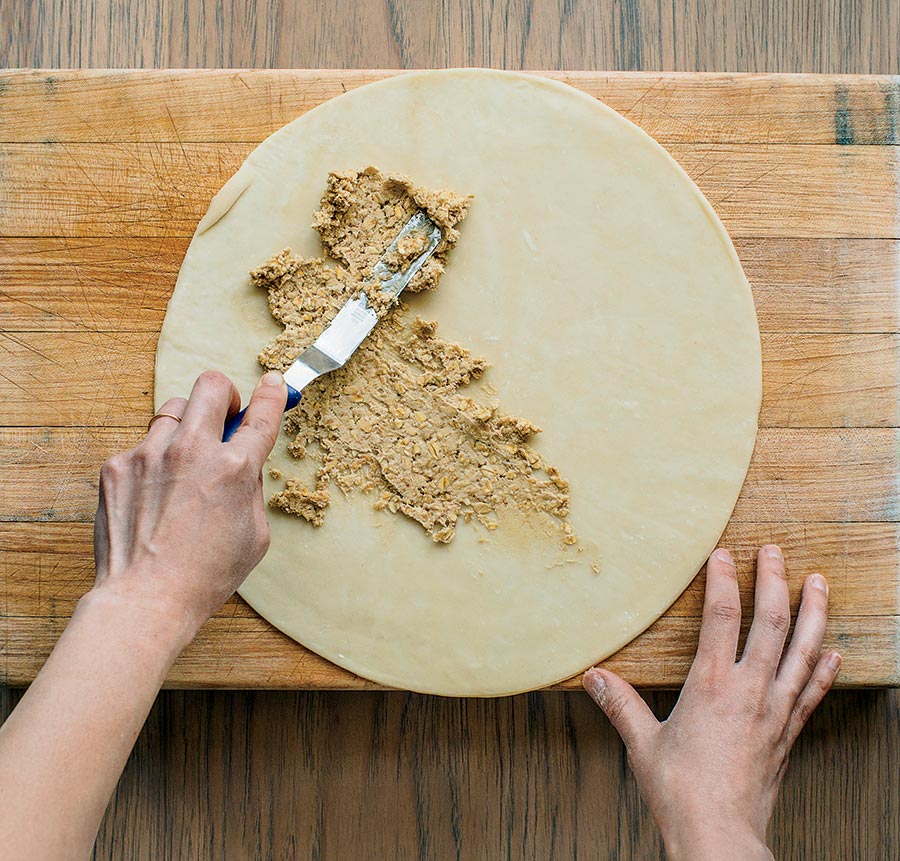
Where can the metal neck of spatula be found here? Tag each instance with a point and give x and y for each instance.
(341, 338)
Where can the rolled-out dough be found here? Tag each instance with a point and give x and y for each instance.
(606, 293)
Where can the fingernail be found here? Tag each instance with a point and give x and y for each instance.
(834, 661)
(773, 552)
(272, 378)
(723, 556)
(595, 685)
(817, 581)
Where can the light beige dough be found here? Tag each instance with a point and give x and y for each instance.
(607, 295)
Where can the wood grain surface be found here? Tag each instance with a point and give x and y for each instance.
(360, 775)
(825, 36)
(102, 187)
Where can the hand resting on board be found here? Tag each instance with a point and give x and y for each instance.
(710, 773)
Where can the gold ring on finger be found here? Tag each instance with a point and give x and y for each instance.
(163, 416)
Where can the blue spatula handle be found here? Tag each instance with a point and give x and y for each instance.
(234, 422)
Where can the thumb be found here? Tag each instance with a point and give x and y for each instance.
(101, 538)
(627, 712)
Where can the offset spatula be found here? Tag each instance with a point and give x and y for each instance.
(353, 322)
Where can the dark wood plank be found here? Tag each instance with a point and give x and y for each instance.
(829, 36)
(372, 775)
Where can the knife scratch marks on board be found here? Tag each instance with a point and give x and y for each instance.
(746, 185)
(80, 167)
(692, 168)
(30, 348)
(185, 156)
(652, 89)
(240, 77)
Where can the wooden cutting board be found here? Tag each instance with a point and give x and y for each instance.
(103, 176)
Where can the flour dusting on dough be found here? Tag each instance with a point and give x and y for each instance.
(393, 422)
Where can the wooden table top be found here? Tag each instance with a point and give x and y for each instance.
(368, 774)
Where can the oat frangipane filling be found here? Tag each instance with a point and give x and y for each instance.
(394, 422)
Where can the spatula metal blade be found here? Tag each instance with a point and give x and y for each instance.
(349, 328)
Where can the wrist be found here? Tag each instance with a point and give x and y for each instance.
(712, 840)
(158, 624)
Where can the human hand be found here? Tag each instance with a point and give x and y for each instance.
(710, 773)
(181, 519)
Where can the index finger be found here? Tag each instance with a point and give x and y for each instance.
(721, 624)
(262, 420)
(213, 398)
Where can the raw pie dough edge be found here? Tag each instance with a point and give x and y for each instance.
(258, 589)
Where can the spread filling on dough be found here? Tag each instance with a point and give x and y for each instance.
(393, 422)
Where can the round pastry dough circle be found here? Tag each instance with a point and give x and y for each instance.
(600, 284)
